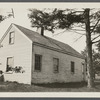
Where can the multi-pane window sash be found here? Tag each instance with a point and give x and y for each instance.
(11, 38)
(38, 62)
(55, 65)
(72, 67)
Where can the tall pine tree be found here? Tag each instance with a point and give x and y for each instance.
(86, 20)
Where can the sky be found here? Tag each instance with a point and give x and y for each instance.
(21, 18)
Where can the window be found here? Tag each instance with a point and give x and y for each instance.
(72, 67)
(9, 64)
(82, 67)
(56, 65)
(11, 38)
(38, 62)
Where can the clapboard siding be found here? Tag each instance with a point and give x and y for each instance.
(64, 75)
(21, 50)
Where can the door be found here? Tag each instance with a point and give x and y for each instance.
(10, 62)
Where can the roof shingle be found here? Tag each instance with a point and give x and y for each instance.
(44, 40)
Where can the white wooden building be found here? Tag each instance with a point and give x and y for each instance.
(27, 57)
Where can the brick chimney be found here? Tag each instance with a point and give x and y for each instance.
(41, 31)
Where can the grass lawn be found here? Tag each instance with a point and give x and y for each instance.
(54, 87)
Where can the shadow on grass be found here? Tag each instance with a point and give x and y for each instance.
(63, 85)
(97, 82)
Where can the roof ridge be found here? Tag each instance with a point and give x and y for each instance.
(53, 42)
(25, 28)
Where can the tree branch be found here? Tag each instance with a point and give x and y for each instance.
(82, 26)
(95, 25)
(68, 30)
(77, 12)
(60, 33)
(78, 38)
(95, 37)
(77, 32)
(95, 41)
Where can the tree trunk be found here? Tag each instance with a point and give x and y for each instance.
(89, 50)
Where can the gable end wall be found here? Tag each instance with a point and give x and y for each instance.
(21, 50)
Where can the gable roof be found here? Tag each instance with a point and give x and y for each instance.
(49, 42)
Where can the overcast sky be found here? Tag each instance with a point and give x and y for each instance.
(21, 18)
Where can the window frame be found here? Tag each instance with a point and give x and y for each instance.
(40, 63)
(7, 64)
(10, 37)
(72, 67)
(57, 66)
